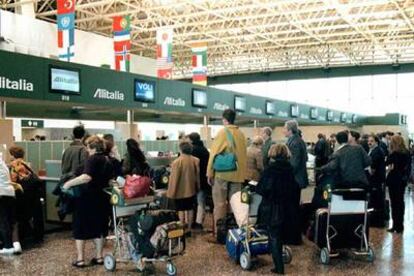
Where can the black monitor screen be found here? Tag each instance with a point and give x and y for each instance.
(240, 103)
(313, 113)
(199, 98)
(270, 108)
(329, 115)
(144, 90)
(65, 81)
(294, 110)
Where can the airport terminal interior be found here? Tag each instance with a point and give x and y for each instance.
(206, 137)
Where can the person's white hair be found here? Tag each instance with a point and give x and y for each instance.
(292, 125)
(268, 131)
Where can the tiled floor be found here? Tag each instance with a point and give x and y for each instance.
(395, 256)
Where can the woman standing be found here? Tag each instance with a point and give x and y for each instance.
(398, 163)
(255, 159)
(92, 210)
(277, 187)
(184, 184)
(8, 232)
(134, 161)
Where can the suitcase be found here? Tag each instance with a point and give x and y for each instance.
(377, 202)
(235, 243)
(345, 226)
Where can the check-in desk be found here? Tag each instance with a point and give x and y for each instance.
(53, 172)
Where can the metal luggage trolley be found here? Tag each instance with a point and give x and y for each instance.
(252, 235)
(354, 204)
(122, 209)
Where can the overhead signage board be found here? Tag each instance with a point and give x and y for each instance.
(199, 98)
(32, 123)
(21, 76)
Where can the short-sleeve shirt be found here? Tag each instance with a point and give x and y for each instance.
(99, 169)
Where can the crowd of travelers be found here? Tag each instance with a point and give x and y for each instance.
(279, 169)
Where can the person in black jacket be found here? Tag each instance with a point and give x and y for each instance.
(399, 163)
(277, 187)
(200, 151)
(134, 161)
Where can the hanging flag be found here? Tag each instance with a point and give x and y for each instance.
(66, 29)
(199, 62)
(121, 26)
(164, 53)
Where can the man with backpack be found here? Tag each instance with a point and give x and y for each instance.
(227, 164)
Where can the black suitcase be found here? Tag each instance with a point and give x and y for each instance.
(223, 225)
(345, 226)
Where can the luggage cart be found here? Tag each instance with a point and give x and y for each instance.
(122, 209)
(252, 235)
(351, 204)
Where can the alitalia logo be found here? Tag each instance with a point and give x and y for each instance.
(108, 95)
(20, 84)
(174, 102)
(220, 106)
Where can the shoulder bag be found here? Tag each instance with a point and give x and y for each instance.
(226, 161)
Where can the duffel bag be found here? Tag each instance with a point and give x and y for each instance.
(136, 186)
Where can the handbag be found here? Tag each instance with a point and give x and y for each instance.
(136, 186)
(226, 161)
(31, 182)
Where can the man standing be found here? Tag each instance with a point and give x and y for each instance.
(321, 151)
(226, 183)
(298, 159)
(376, 180)
(348, 163)
(267, 143)
(74, 157)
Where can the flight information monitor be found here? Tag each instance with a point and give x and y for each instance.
(64, 81)
(144, 90)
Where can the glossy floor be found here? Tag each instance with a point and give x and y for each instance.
(394, 256)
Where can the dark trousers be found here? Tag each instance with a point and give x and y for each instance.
(276, 248)
(396, 191)
(292, 231)
(29, 214)
(6, 220)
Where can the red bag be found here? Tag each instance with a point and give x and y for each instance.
(136, 186)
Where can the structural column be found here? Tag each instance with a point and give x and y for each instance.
(256, 128)
(6, 130)
(128, 129)
(205, 131)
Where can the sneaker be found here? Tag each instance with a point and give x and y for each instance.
(7, 251)
(17, 248)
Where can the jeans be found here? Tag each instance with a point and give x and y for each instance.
(201, 206)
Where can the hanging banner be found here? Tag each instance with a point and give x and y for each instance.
(66, 29)
(164, 53)
(199, 62)
(121, 27)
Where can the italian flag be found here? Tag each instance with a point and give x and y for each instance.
(199, 62)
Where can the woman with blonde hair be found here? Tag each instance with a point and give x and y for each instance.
(255, 159)
(91, 208)
(398, 163)
(277, 188)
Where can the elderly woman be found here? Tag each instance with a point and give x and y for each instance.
(184, 183)
(8, 232)
(277, 187)
(255, 159)
(91, 208)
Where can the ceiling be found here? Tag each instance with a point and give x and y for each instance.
(257, 35)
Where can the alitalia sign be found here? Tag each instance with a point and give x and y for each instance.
(174, 101)
(15, 84)
(108, 95)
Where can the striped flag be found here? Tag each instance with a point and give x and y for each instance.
(66, 29)
(121, 26)
(164, 53)
(199, 62)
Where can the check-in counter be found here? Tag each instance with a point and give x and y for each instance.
(53, 172)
